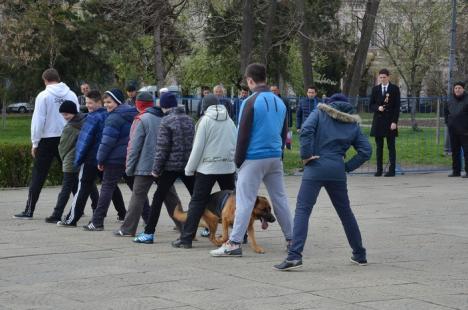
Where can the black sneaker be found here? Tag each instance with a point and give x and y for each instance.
(65, 224)
(23, 216)
(120, 233)
(52, 219)
(360, 262)
(288, 265)
(378, 174)
(453, 174)
(91, 227)
(120, 219)
(179, 244)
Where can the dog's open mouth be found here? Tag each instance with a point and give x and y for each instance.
(264, 223)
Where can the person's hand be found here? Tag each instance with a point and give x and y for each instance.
(155, 174)
(100, 167)
(306, 161)
(393, 126)
(298, 130)
(33, 152)
(381, 108)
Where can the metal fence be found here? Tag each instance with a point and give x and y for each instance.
(420, 145)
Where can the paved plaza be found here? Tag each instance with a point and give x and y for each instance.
(415, 229)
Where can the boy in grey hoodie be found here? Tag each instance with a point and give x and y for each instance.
(212, 159)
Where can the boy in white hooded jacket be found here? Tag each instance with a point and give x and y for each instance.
(212, 159)
(46, 129)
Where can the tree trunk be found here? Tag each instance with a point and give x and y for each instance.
(267, 34)
(158, 57)
(413, 93)
(354, 74)
(304, 43)
(247, 35)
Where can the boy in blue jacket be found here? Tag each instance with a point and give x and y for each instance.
(112, 152)
(85, 160)
(326, 135)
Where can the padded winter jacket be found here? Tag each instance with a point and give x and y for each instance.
(174, 142)
(142, 145)
(68, 140)
(115, 136)
(329, 132)
(90, 138)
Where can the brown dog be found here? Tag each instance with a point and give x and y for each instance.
(222, 207)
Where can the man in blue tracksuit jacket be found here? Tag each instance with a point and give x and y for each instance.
(260, 140)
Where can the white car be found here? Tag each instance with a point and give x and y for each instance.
(20, 107)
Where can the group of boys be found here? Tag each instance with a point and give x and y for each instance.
(144, 144)
(148, 144)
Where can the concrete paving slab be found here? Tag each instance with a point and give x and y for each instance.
(413, 226)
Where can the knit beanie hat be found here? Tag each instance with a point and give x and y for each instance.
(68, 107)
(340, 102)
(337, 97)
(459, 83)
(209, 100)
(143, 101)
(116, 95)
(168, 100)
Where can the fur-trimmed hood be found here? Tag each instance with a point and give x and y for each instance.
(336, 111)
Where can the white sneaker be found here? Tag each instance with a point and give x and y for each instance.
(227, 249)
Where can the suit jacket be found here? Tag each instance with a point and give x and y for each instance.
(382, 120)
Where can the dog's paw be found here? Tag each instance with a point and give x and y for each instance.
(259, 250)
(219, 241)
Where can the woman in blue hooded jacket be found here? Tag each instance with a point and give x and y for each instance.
(325, 137)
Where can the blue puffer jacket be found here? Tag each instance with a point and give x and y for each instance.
(115, 136)
(329, 132)
(90, 138)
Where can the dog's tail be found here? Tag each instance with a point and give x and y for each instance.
(180, 215)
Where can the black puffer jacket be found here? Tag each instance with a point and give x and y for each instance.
(174, 142)
(456, 114)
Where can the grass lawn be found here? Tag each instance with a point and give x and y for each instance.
(414, 149)
(17, 130)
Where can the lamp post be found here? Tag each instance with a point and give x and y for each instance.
(453, 39)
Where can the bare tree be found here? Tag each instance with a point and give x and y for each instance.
(248, 28)
(267, 33)
(354, 74)
(304, 43)
(153, 17)
(412, 34)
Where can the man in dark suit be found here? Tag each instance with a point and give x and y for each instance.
(385, 102)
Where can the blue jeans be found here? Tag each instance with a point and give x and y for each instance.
(338, 193)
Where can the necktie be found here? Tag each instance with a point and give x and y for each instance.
(384, 90)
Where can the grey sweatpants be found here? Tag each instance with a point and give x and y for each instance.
(249, 177)
(141, 187)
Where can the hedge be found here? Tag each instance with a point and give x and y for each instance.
(16, 166)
